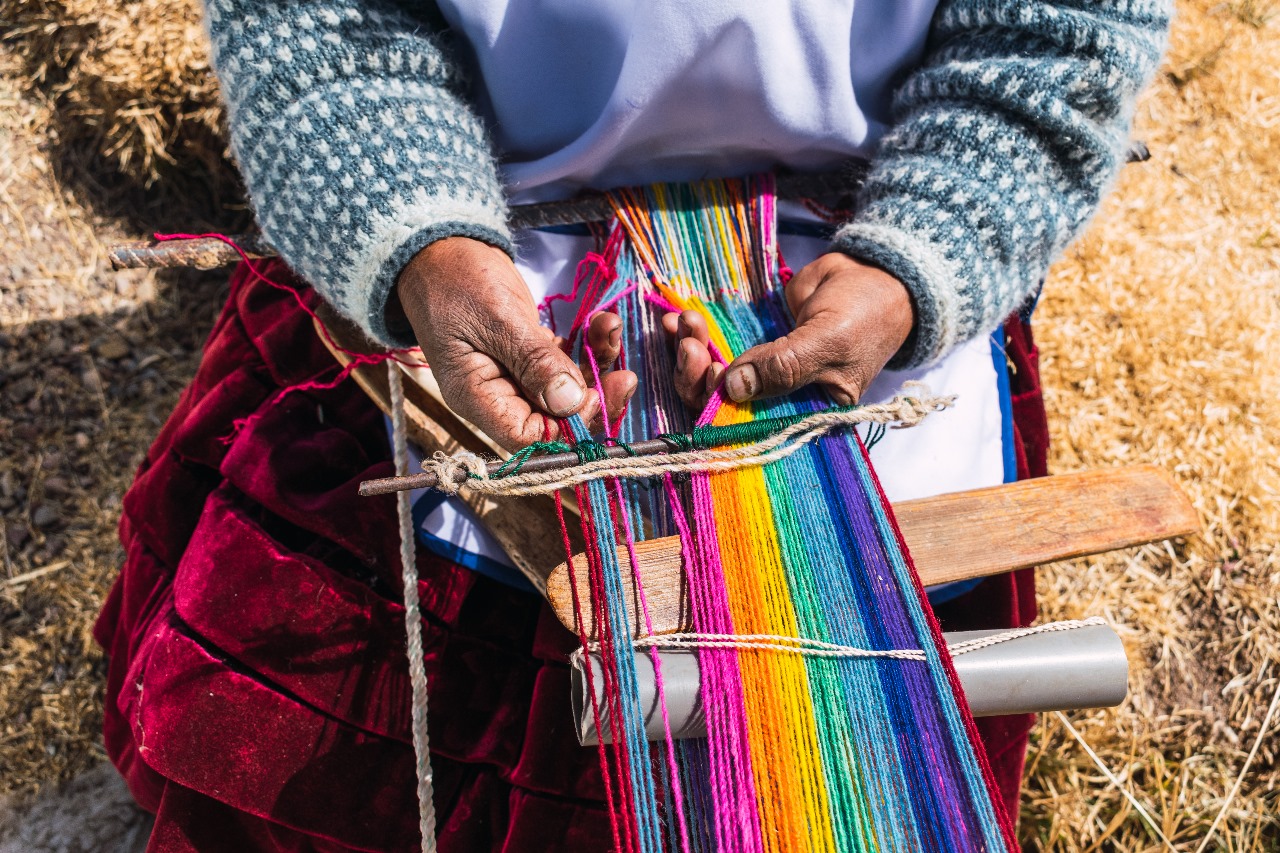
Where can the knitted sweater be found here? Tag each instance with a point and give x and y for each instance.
(354, 132)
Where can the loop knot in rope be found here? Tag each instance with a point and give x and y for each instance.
(447, 468)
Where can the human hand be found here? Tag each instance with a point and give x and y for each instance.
(850, 320)
(496, 366)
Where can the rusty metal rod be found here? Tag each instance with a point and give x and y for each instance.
(831, 188)
(201, 253)
(834, 189)
(427, 480)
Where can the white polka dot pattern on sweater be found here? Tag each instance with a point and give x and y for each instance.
(1004, 142)
(358, 148)
(355, 143)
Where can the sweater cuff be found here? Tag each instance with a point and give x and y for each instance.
(928, 277)
(386, 322)
(398, 240)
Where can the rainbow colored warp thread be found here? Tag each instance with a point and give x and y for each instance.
(802, 753)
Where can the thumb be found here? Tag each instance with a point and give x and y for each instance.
(780, 366)
(546, 375)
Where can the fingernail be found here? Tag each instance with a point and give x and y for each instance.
(743, 382)
(563, 396)
(682, 356)
(713, 376)
(615, 338)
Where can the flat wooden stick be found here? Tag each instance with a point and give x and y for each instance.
(955, 537)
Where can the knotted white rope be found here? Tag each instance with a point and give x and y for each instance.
(412, 615)
(465, 470)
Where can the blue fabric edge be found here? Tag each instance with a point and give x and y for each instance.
(949, 591)
(1001, 363)
(477, 563)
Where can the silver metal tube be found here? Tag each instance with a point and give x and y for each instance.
(1080, 668)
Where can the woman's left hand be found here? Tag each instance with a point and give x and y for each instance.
(851, 318)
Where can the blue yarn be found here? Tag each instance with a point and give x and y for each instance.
(988, 823)
(630, 729)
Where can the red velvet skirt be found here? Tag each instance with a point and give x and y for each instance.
(258, 694)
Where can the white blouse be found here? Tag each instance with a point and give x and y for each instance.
(613, 93)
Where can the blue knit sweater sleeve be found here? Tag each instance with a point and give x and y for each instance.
(357, 148)
(1004, 140)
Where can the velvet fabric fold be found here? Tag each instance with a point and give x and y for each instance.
(257, 694)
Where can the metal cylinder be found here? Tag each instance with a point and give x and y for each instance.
(1083, 667)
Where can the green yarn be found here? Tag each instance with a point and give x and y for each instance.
(682, 442)
(702, 438)
(874, 433)
(617, 442)
(590, 451)
(706, 437)
(521, 456)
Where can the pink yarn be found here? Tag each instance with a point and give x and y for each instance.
(732, 782)
(668, 306)
(620, 510)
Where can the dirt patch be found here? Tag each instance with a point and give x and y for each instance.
(91, 362)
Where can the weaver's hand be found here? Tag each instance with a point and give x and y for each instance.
(850, 320)
(497, 367)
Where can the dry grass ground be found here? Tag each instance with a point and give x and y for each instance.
(1159, 333)
(1159, 339)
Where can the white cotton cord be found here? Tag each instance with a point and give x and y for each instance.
(453, 472)
(412, 615)
(1017, 633)
(1115, 782)
(822, 649)
(772, 642)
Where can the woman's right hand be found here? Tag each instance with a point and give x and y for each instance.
(851, 318)
(496, 365)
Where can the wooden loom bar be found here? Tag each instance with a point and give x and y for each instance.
(831, 188)
(957, 536)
